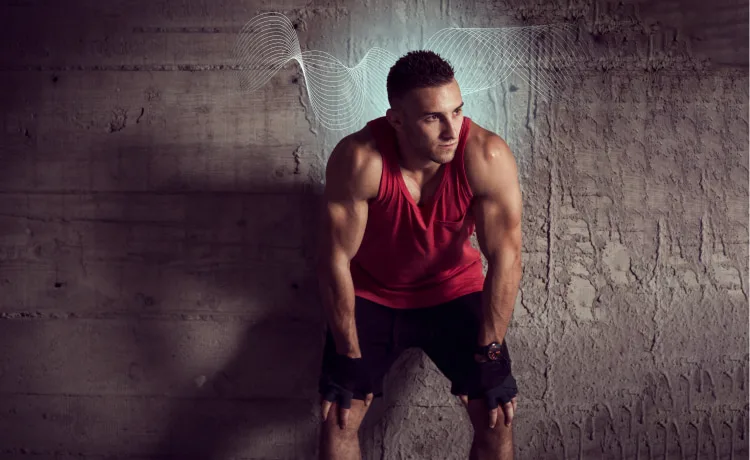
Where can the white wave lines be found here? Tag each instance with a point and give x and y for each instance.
(482, 58)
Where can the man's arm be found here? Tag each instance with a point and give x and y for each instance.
(497, 210)
(345, 209)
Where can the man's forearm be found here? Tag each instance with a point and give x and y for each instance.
(337, 293)
(499, 298)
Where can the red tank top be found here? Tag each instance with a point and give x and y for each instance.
(415, 256)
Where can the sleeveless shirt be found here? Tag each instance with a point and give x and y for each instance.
(416, 256)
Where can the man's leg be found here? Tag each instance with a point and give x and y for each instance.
(338, 443)
(489, 443)
(375, 331)
(451, 347)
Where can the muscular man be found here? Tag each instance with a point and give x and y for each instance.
(396, 266)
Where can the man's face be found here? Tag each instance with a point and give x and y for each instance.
(430, 121)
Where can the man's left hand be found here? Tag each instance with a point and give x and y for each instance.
(509, 409)
(498, 387)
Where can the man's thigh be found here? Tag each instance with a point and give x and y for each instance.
(454, 340)
(374, 324)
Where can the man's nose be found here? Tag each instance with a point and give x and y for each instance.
(450, 132)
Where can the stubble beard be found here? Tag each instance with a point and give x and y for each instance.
(442, 156)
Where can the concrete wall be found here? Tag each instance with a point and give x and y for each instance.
(156, 291)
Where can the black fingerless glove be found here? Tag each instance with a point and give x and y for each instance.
(500, 393)
(348, 378)
(495, 382)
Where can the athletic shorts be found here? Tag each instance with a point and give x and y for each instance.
(447, 333)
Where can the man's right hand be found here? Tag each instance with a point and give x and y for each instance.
(348, 376)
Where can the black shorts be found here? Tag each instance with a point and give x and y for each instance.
(447, 333)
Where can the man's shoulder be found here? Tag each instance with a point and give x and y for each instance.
(482, 143)
(362, 147)
(359, 161)
(483, 148)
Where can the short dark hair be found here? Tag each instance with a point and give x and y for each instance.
(417, 69)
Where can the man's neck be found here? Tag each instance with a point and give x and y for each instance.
(417, 168)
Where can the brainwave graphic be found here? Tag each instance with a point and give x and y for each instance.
(544, 55)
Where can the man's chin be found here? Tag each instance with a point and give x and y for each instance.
(443, 157)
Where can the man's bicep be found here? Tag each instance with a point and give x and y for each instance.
(344, 213)
(345, 229)
(498, 227)
(498, 207)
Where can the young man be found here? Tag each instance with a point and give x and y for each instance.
(396, 267)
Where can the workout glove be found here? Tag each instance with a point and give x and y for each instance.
(496, 383)
(348, 377)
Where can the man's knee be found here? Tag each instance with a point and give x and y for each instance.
(333, 428)
(498, 437)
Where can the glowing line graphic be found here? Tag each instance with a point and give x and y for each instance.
(481, 57)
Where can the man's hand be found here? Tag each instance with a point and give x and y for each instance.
(344, 408)
(347, 377)
(509, 409)
(498, 387)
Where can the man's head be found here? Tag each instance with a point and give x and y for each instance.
(425, 105)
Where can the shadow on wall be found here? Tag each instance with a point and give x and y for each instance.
(235, 334)
(209, 281)
(227, 327)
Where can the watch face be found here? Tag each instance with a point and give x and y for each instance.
(495, 352)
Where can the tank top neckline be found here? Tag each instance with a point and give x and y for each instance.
(395, 168)
(429, 201)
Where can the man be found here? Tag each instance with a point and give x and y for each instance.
(396, 267)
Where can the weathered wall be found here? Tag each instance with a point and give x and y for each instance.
(156, 290)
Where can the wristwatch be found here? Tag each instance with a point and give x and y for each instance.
(491, 352)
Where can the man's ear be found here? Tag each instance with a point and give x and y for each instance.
(394, 118)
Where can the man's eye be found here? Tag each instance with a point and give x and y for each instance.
(431, 118)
